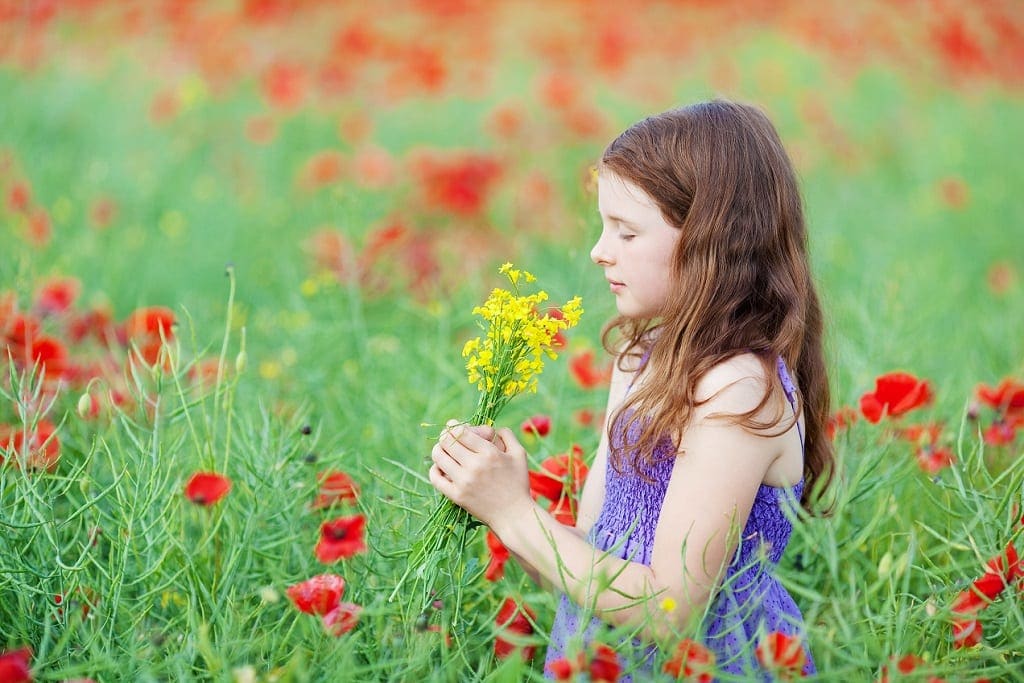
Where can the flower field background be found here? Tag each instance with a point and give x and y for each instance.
(241, 245)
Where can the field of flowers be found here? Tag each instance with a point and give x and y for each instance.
(242, 241)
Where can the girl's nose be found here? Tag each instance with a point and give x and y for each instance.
(599, 252)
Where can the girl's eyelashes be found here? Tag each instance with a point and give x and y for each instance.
(626, 237)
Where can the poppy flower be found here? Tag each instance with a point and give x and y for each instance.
(1007, 397)
(499, 555)
(40, 228)
(460, 185)
(966, 633)
(581, 366)
(49, 355)
(151, 323)
(933, 460)
(318, 595)
(840, 421)
(782, 653)
(515, 621)
(342, 618)
(14, 666)
(32, 448)
(692, 661)
(335, 488)
(1000, 433)
(604, 666)
(558, 474)
(206, 488)
(538, 425)
(1001, 277)
(904, 665)
(564, 669)
(564, 510)
(322, 169)
(19, 197)
(895, 394)
(284, 85)
(341, 538)
(103, 213)
(922, 434)
(57, 295)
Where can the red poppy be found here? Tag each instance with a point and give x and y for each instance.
(564, 510)
(584, 417)
(40, 228)
(341, 538)
(782, 653)
(19, 197)
(57, 295)
(895, 394)
(505, 121)
(933, 460)
(335, 488)
(1007, 564)
(206, 488)
(149, 324)
(564, 669)
(558, 474)
(374, 167)
(1006, 398)
(318, 595)
(284, 85)
(342, 618)
(966, 633)
(460, 185)
(538, 425)
(322, 169)
(516, 621)
(604, 665)
(49, 355)
(921, 434)
(14, 666)
(581, 365)
(1001, 277)
(840, 421)
(691, 661)
(499, 555)
(904, 665)
(40, 451)
(1000, 433)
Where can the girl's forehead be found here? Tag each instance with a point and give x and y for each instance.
(615, 192)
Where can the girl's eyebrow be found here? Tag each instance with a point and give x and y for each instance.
(620, 219)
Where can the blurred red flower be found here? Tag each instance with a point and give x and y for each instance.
(28, 448)
(19, 197)
(498, 555)
(558, 474)
(565, 669)
(460, 185)
(335, 487)
(103, 213)
(966, 633)
(284, 85)
(604, 666)
(206, 488)
(692, 661)
(921, 434)
(514, 621)
(581, 365)
(1001, 277)
(895, 394)
(840, 421)
(1007, 397)
(342, 618)
(40, 228)
(56, 295)
(933, 460)
(564, 510)
(14, 666)
(1000, 432)
(318, 595)
(782, 653)
(538, 425)
(374, 167)
(341, 538)
(149, 323)
(323, 168)
(904, 665)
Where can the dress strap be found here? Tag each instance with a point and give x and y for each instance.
(790, 389)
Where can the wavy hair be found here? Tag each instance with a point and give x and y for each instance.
(719, 173)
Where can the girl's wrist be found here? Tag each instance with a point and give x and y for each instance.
(512, 516)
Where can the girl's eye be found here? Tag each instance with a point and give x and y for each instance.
(626, 237)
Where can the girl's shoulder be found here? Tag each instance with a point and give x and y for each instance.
(735, 385)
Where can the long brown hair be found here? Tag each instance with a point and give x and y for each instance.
(719, 173)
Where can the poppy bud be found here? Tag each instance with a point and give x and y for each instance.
(84, 405)
(241, 360)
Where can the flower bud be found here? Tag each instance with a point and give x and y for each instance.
(240, 362)
(85, 405)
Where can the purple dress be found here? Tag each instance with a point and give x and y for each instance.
(750, 601)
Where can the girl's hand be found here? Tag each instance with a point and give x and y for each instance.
(482, 471)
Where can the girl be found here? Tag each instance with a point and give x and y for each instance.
(716, 410)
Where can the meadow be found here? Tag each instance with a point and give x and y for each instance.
(245, 238)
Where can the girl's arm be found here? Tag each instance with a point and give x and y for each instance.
(592, 496)
(708, 500)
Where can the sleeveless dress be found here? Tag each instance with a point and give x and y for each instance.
(750, 601)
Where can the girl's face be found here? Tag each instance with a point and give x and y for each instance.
(635, 248)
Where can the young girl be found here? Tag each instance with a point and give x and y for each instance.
(716, 409)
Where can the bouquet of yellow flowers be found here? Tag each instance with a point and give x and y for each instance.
(502, 363)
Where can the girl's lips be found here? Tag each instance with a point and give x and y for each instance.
(616, 286)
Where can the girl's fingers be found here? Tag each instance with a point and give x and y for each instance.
(506, 440)
(462, 439)
(448, 465)
(441, 483)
